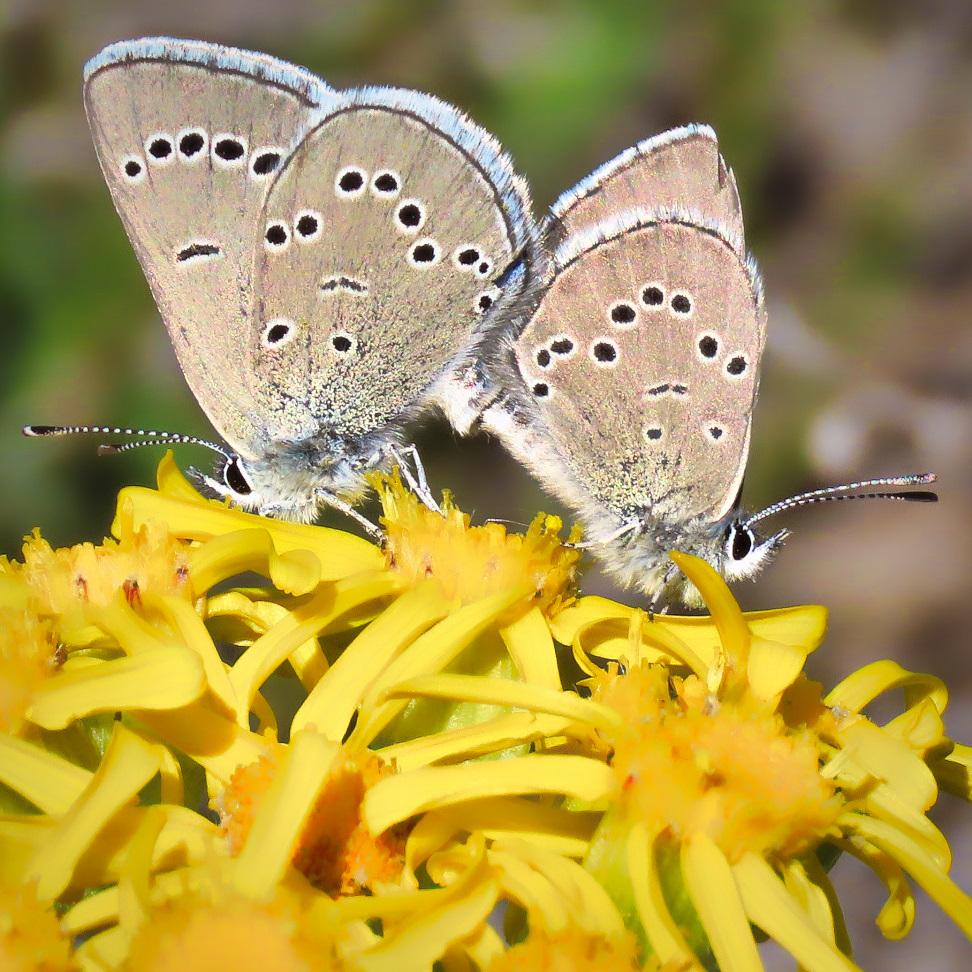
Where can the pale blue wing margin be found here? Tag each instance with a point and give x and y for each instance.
(295, 79)
(513, 194)
(647, 146)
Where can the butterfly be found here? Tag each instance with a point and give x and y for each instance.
(629, 388)
(327, 264)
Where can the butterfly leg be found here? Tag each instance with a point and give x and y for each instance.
(417, 481)
(631, 527)
(374, 532)
(658, 604)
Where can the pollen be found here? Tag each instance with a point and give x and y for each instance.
(570, 950)
(473, 562)
(28, 656)
(689, 764)
(30, 938)
(334, 850)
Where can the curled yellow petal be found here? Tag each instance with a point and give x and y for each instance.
(49, 781)
(867, 683)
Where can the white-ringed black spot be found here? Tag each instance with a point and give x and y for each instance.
(307, 225)
(350, 182)
(562, 345)
(276, 237)
(653, 434)
(386, 183)
(424, 253)
(679, 391)
(485, 300)
(265, 161)
(543, 358)
(192, 144)
(541, 389)
(465, 256)
(622, 314)
(736, 365)
(409, 216)
(159, 149)
(343, 343)
(656, 391)
(228, 151)
(681, 304)
(277, 333)
(604, 352)
(707, 345)
(483, 269)
(714, 431)
(133, 169)
(199, 251)
(652, 295)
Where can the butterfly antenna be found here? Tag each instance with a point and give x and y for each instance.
(147, 437)
(832, 494)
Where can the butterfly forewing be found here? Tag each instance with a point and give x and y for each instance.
(189, 136)
(680, 168)
(642, 361)
(382, 237)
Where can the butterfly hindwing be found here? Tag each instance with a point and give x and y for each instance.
(383, 236)
(640, 365)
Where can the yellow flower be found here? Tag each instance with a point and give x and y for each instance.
(30, 938)
(392, 754)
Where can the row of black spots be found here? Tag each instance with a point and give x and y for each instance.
(560, 347)
(708, 344)
(192, 145)
(280, 331)
(427, 252)
(351, 182)
(307, 227)
(653, 297)
(712, 432)
(468, 256)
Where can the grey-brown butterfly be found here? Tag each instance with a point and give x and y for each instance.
(629, 390)
(326, 263)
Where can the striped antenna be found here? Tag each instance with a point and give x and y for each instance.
(147, 437)
(832, 494)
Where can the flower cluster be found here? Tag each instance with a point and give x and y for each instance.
(227, 741)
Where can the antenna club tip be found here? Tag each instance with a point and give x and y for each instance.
(33, 431)
(107, 449)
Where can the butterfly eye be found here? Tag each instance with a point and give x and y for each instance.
(739, 541)
(235, 479)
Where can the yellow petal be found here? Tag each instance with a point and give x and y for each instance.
(714, 893)
(532, 650)
(330, 603)
(820, 880)
(332, 702)
(430, 653)
(897, 915)
(396, 798)
(566, 832)
(133, 886)
(479, 739)
(531, 891)
(954, 771)
(922, 868)
(166, 678)
(128, 764)
(288, 802)
(501, 691)
(50, 782)
(294, 572)
(664, 936)
(769, 905)
(772, 667)
(864, 685)
(920, 727)
(591, 906)
(726, 613)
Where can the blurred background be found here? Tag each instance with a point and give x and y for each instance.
(849, 126)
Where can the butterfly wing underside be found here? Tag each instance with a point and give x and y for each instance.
(641, 366)
(190, 136)
(680, 168)
(383, 235)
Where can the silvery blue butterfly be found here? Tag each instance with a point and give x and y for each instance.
(629, 391)
(327, 263)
